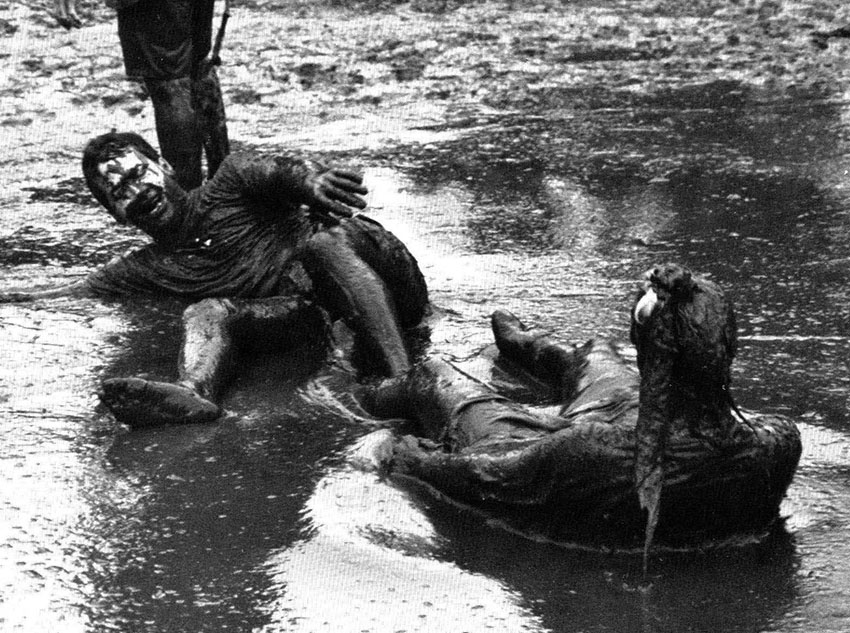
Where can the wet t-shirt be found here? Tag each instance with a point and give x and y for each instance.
(239, 236)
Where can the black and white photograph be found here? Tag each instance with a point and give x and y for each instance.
(433, 316)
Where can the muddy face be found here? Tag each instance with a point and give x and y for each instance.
(136, 187)
(686, 316)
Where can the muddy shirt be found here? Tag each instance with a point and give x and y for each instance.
(240, 237)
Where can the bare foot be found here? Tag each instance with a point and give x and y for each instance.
(138, 403)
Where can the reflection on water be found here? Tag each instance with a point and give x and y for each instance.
(371, 561)
(258, 523)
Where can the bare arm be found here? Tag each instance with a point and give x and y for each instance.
(74, 289)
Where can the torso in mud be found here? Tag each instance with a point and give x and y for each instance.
(240, 237)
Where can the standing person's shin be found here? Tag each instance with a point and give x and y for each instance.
(209, 108)
(177, 128)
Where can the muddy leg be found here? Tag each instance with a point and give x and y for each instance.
(214, 330)
(451, 407)
(205, 364)
(579, 375)
(350, 288)
(390, 259)
(207, 358)
(177, 128)
(209, 108)
(533, 351)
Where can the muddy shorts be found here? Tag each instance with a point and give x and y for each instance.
(165, 39)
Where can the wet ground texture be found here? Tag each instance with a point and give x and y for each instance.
(536, 157)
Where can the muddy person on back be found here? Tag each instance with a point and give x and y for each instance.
(269, 249)
(167, 45)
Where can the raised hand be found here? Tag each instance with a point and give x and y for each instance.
(334, 192)
(65, 12)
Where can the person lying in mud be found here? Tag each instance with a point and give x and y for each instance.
(618, 438)
(268, 244)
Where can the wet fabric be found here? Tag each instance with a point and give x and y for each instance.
(165, 39)
(241, 236)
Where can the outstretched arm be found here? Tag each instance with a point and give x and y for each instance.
(286, 179)
(503, 474)
(587, 461)
(75, 289)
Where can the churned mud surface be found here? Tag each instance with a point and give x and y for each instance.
(457, 85)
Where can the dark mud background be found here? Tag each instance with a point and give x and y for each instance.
(535, 156)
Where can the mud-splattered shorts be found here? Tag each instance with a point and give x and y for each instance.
(165, 39)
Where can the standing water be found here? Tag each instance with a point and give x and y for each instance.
(259, 522)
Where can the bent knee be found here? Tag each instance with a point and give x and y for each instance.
(326, 241)
(209, 310)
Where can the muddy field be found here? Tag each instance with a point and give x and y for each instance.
(537, 156)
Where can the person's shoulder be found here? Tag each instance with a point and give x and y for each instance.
(243, 159)
(231, 167)
(120, 4)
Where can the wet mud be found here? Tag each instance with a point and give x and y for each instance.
(535, 156)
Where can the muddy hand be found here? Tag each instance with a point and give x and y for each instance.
(65, 12)
(334, 192)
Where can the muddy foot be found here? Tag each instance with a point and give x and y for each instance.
(139, 403)
(374, 452)
(386, 398)
(512, 337)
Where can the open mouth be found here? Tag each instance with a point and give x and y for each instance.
(149, 203)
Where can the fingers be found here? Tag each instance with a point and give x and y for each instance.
(348, 181)
(351, 199)
(326, 205)
(335, 193)
(336, 190)
(353, 176)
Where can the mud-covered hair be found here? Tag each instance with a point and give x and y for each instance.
(105, 147)
(695, 321)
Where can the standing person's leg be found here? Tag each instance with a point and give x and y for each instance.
(214, 330)
(156, 42)
(209, 107)
(206, 89)
(177, 128)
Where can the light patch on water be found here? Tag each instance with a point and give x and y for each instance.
(369, 565)
(818, 513)
(581, 217)
(470, 286)
(47, 392)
